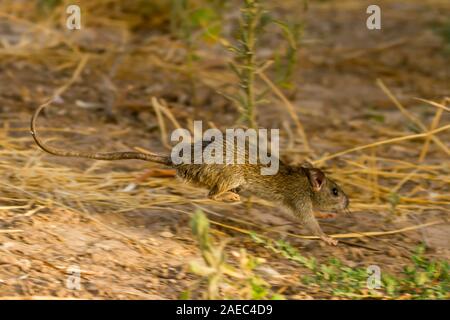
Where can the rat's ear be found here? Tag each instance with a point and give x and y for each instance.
(316, 178)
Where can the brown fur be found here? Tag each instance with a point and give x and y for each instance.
(300, 189)
(291, 187)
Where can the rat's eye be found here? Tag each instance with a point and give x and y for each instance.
(335, 192)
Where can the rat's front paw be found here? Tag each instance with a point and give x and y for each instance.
(328, 240)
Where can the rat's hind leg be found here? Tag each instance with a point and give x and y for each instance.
(227, 196)
(223, 195)
(224, 192)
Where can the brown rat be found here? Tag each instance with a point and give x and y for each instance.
(300, 189)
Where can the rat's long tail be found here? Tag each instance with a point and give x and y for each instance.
(98, 156)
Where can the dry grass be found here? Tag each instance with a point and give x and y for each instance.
(34, 183)
(388, 170)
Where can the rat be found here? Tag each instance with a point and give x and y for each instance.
(301, 189)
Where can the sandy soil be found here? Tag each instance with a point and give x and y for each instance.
(144, 253)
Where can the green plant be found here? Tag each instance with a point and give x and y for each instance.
(216, 271)
(190, 21)
(47, 5)
(253, 22)
(443, 30)
(285, 62)
(424, 279)
(245, 66)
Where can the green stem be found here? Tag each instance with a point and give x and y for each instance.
(250, 26)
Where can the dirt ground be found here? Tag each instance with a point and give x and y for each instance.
(131, 238)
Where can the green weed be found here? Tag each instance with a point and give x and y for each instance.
(222, 279)
(423, 279)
